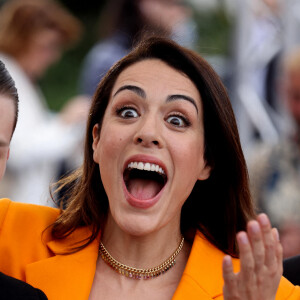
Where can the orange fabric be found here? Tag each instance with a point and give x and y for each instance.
(202, 277)
(28, 253)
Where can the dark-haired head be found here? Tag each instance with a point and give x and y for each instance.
(8, 89)
(221, 205)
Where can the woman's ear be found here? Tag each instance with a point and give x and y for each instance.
(204, 172)
(96, 139)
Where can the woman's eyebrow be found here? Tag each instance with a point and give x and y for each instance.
(182, 97)
(140, 92)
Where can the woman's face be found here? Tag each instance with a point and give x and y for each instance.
(151, 145)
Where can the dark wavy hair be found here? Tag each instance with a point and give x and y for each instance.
(220, 206)
(8, 89)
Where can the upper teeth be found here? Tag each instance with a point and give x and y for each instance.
(146, 167)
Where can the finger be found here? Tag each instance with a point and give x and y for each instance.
(246, 260)
(269, 242)
(279, 249)
(230, 288)
(257, 244)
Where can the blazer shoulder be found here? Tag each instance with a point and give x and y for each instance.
(25, 220)
(24, 234)
(18, 212)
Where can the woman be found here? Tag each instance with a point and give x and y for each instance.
(163, 184)
(33, 35)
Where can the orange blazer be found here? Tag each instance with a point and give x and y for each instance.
(28, 252)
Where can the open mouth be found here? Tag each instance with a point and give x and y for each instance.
(144, 180)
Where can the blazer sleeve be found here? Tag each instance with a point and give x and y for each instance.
(287, 291)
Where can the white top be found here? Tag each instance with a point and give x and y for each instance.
(39, 143)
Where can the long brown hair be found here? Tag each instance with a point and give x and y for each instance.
(220, 206)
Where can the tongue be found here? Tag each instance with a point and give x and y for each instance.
(143, 188)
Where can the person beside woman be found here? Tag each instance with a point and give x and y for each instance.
(9, 103)
(11, 288)
(161, 204)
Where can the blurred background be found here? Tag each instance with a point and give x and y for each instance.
(252, 44)
(214, 25)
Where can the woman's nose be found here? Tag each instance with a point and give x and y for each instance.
(147, 142)
(149, 134)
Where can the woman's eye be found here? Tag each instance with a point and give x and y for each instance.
(178, 121)
(128, 113)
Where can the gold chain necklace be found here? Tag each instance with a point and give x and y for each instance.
(139, 273)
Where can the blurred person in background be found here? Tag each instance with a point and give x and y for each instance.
(33, 35)
(123, 23)
(11, 288)
(258, 44)
(275, 169)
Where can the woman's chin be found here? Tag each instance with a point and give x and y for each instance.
(138, 225)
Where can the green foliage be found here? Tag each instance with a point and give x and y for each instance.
(214, 29)
(60, 82)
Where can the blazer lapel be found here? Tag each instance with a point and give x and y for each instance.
(66, 276)
(71, 276)
(202, 277)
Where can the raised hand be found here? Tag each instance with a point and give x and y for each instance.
(261, 263)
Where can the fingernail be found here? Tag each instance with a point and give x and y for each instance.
(243, 238)
(254, 227)
(263, 219)
(277, 234)
(227, 261)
